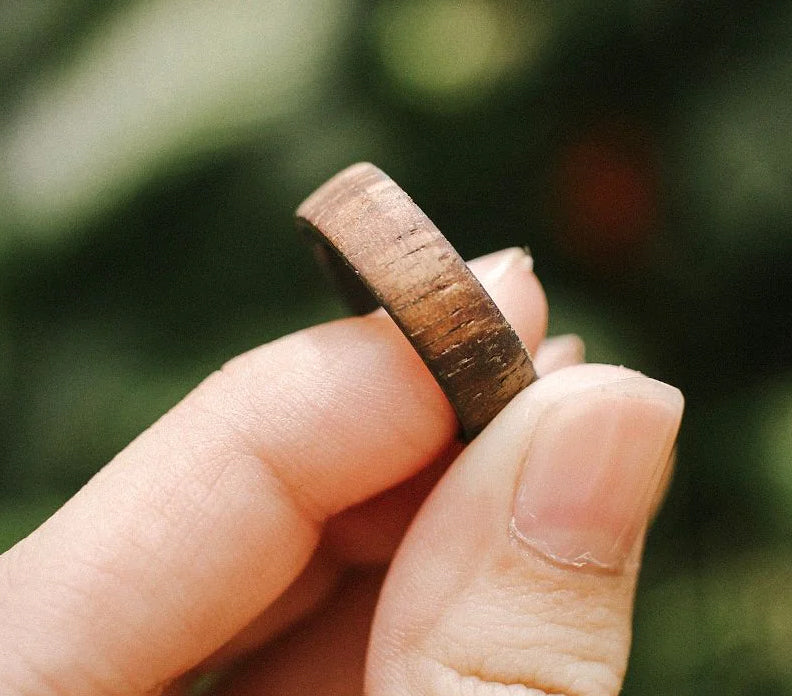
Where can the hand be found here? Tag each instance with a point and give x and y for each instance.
(250, 528)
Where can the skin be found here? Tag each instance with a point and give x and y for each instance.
(249, 532)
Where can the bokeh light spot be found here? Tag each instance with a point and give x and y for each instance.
(776, 431)
(606, 196)
(453, 52)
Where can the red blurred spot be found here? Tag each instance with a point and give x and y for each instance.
(606, 191)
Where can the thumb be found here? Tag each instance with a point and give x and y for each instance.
(518, 574)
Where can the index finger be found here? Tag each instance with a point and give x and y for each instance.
(207, 517)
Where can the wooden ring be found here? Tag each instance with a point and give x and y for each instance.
(383, 250)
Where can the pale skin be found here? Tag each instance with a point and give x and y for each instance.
(260, 528)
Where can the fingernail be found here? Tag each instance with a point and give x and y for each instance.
(556, 352)
(594, 467)
(498, 264)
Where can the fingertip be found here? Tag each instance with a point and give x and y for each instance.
(556, 352)
(594, 464)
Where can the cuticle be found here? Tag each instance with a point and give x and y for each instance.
(535, 549)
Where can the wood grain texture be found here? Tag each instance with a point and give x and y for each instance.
(385, 251)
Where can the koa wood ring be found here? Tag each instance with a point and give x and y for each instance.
(383, 250)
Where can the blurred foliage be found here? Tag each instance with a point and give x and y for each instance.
(154, 152)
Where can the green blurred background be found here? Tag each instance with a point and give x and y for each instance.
(154, 151)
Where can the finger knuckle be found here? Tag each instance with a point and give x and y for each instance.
(508, 643)
(435, 677)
